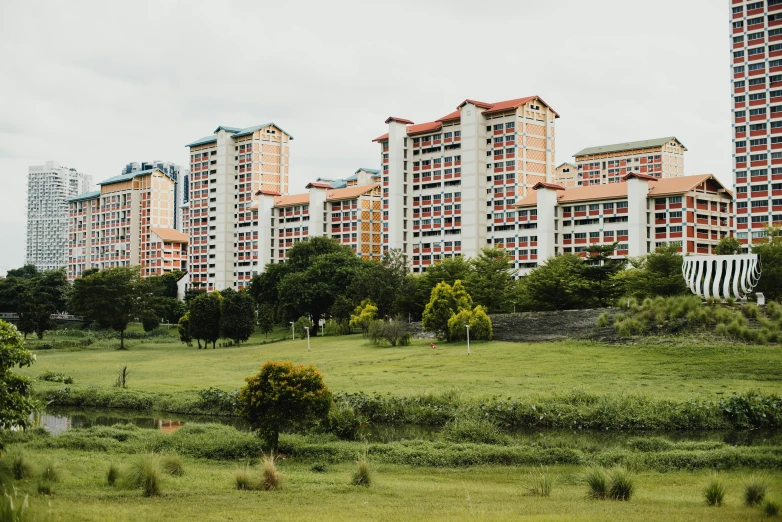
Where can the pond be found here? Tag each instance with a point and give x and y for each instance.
(59, 420)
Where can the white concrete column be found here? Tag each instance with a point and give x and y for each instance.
(547, 204)
(397, 133)
(473, 187)
(637, 200)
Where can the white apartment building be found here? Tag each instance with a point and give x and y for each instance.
(227, 169)
(450, 185)
(49, 187)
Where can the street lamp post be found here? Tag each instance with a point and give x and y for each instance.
(308, 337)
(293, 332)
(468, 338)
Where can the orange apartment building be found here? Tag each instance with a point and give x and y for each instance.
(126, 223)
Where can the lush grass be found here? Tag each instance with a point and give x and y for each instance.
(397, 492)
(163, 366)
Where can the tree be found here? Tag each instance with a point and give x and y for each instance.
(664, 272)
(478, 320)
(205, 318)
(16, 401)
(183, 327)
(237, 315)
(490, 282)
(283, 396)
(449, 271)
(363, 316)
(728, 246)
(300, 326)
(445, 301)
(558, 284)
(600, 270)
(35, 296)
(150, 322)
(393, 332)
(266, 318)
(114, 297)
(770, 251)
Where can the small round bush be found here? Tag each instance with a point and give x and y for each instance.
(771, 508)
(173, 466)
(714, 492)
(755, 490)
(622, 484)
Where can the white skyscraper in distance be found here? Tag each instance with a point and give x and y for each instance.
(49, 187)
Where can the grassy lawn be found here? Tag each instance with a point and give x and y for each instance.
(352, 364)
(206, 492)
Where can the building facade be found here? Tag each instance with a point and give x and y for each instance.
(756, 83)
(126, 223)
(49, 187)
(227, 169)
(179, 174)
(640, 214)
(450, 185)
(659, 158)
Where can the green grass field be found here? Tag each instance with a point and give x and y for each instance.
(352, 364)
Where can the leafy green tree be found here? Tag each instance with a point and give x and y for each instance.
(449, 271)
(728, 246)
(205, 318)
(600, 271)
(150, 322)
(477, 318)
(284, 397)
(770, 251)
(394, 332)
(363, 316)
(35, 296)
(490, 282)
(183, 327)
(266, 318)
(558, 284)
(16, 401)
(300, 326)
(445, 301)
(655, 274)
(114, 297)
(237, 315)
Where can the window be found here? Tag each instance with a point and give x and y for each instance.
(757, 127)
(738, 114)
(758, 157)
(754, 21)
(739, 84)
(757, 112)
(738, 39)
(757, 81)
(741, 144)
(738, 69)
(757, 142)
(608, 206)
(755, 36)
(739, 100)
(738, 54)
(510, 125)
(756, 66)
(738, 25)
(755, 51)
(757, 96)
(621, 204)
(738, 9)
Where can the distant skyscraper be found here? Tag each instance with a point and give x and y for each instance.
(177, 173)
(49, 187)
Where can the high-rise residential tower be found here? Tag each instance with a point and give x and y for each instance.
(227, 169)
(49, 187)
(756, 76)
(176, 172)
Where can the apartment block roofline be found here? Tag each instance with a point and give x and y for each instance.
(268, 193)
(85, 196)
(350, 192)
(566, 163)
(638, 175)
(170, 234)
(128, 177)
(371, 171)
(236, 132)
(631, 145)
(399, 120)
(317, 184)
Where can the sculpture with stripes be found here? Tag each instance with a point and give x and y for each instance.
(722, 276)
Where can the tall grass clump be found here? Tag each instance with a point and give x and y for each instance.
(363, 475)
(21, 467)
(45, 488)
(173, 466)
(597, 481)
(755, 488)
(14, 508)
(771, 508)
(714, 492)
(51, 471)
(144, 472)
(243, 481)
(271, 477)
(540, 482)
(622, 484)
(112, 474)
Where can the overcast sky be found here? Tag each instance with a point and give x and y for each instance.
(95, 85)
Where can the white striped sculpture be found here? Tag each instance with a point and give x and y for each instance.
(722, 276)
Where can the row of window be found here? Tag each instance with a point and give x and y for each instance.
(436, 137)
(608, 234)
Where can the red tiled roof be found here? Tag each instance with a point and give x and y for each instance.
(400, 120)
(529, 201)
(543, 184)
(514, 104)
(318, 185)
(268, 193)
(476, 103)
(424, 127)
(607, 191)
(640, 176)
(350, 192)
(384, 137)
(680, 185)
(169, 234)
(455, 115)
(295, 199)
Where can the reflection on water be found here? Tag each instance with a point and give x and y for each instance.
(58, 421)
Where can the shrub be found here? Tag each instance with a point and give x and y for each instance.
(51, 472)
(320, 467)
(50, 376)
(622, 484)
(173, 466)
(604, 320)
(597, 481)
(144, 473)
(540, 482)
(473, 429)
(755, 490)
(393, 332)
(149, 322)
(272, 478)
(362, 476)
(21, 467)
(112, 474)
(477, 319)
(243, 481)
(45, 488)
(771, 508)
(345, 422)
(14, 508)
(301, 325)
(715, 491)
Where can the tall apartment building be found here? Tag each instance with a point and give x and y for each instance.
(48, 188)
(659, 158)
(640, 214)
(227, 169)
(756, 62)
(176, 172)
(128, 222)
(450, 185)
(348, 210)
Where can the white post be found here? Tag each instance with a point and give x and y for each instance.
(293, 332)
(468, 338)
(308, 337)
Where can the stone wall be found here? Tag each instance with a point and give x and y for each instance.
(535, 327)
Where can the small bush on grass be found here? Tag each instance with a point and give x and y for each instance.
(21, 467)
(320, 467)
(363, 475)
(13, 507)
(51, 472)
(714, 492)
(540, 482)
(622, 484)
(112, 474)
(243, 481)
(597, 481)
(771, 508)
(272, 478)
(144, 473)
(173, 466)
(473, 429)
(755, 490)
(45, 488)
